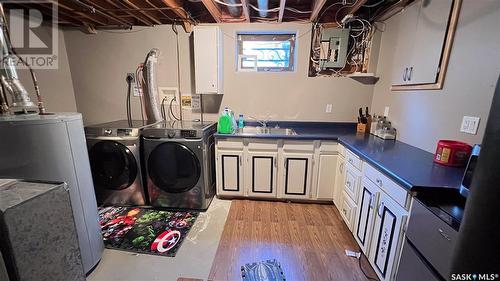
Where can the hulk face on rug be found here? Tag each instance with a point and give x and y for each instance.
(144, 230)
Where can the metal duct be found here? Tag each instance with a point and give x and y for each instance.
(21, 102)
(233, 10)
(151, 102)
(263, 6)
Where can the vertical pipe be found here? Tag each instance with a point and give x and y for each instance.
(263, 5)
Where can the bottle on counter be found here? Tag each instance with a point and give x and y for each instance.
(241, 121)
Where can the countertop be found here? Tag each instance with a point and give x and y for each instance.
(411, 167)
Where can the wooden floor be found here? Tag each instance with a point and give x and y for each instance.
(309, 240)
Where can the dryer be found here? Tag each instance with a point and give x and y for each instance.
(115, 162)
(179, 162)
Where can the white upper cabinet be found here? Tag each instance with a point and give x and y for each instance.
(422, 43)
(208, 59)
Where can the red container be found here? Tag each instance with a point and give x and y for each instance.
(452, 153)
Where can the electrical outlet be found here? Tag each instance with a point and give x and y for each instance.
(169, 93)
(469, 125)
(328, 108)
(386, 111)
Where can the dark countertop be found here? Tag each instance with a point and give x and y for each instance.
(411, 167)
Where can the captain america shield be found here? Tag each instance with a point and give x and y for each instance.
(166, 241)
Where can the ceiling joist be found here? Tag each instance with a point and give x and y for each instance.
(177, 8)
(213, 10)
(318, 5)
(246, 12)
(281, 12)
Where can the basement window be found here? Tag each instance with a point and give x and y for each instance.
(266, 52)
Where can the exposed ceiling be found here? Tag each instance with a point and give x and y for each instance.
(112, 14)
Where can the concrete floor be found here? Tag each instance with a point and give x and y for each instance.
(194, 258)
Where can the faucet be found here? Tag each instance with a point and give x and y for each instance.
(262, 122)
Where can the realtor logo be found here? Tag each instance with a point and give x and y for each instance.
(33, 32)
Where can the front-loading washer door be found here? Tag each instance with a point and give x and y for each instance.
(173, 167)
(113, 165)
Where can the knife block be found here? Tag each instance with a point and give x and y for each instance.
(364, 128)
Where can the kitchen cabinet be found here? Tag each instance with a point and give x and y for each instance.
(424, 37)
(207, 59)
(230, 176)
(347, 210)
(352, 182)
(262, 174)
(325, 172)
(297, 175)
(387, 238)
(368, 197)
(339, 180)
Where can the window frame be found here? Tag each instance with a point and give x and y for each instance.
(292, 58)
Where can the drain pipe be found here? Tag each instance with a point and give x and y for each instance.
(233, 10)
(263, 6)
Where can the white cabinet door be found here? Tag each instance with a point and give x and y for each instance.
(230, 173)
(428, 41)
(207, 44)
(407, 24)
(261, 173)
(390, 219)
(327, 168)
(347, 210)
(352, 182)
(297, 175)
(339, 181)
(367, 202)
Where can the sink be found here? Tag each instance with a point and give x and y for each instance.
(251, 130)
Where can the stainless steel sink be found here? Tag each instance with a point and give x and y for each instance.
(251, 130)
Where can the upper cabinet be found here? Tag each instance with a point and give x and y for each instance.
(425, 35)
(208, 59)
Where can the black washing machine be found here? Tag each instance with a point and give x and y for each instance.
(179, 164)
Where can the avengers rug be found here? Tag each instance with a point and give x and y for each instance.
(144, 230)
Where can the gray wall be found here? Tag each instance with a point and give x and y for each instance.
(56, 85)
(100, 62)
(424, 117)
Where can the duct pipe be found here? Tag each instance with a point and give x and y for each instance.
(151, 102)
(21, 102)
(263, 6)
(233, 10)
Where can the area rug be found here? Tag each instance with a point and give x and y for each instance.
(269, 270)
(143, 230)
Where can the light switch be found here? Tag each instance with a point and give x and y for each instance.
(328, 108)
(469, 125)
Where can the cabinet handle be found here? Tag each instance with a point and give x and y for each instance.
(410, 74)
(239, 159)
(341, 167)
(275, 162)
(351, 161)
(379, 182)
(380, 209)
(446, 236)
(404, 74)
(348, 183)
(372, 201)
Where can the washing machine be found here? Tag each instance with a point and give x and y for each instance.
(115, 162)
(179, 162)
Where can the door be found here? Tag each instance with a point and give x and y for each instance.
(406, 25)
(429, 40)
(368, 196)
(230, 173)
(339, 182)
(172, 168)
(113, 166)
(297, 175)
(327, 168)
(262, 171)
(387, 237)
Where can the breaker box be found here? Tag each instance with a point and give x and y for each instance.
(334, 43)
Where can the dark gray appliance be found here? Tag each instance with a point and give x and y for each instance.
(469, 171)
(115, 162)
(38, 237)
(179, 161)
(428, 246)
(52, 148)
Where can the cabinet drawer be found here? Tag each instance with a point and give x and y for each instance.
(348, 210)
(232, 144)
(352, 182)
(263, 146)
(352, 159)
(341, 150)
(329, 147)
(432, 237)
(398, 193)
(298, 146)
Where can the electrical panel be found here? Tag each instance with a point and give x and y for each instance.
(207, 59)
(334, 43)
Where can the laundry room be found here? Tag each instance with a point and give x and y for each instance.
(254, 140)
